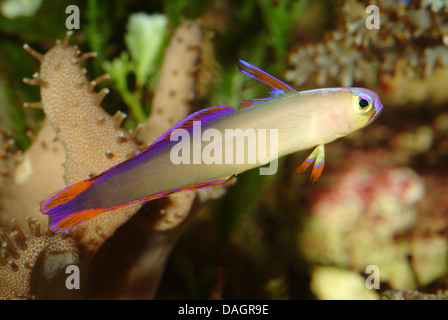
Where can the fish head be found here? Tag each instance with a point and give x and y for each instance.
(354, 109)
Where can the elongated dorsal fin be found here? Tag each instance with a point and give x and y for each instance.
(277, 87)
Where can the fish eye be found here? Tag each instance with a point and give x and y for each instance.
(363, 103)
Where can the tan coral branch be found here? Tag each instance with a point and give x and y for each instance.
(27, 253)
(89, 135)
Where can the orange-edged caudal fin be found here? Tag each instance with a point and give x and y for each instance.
(65, 195)
(318, 157)
(74, 219)
(72, 204)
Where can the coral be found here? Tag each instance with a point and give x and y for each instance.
(72, 107)
(91, 141)
(386, 209)
(37, 263)
(402, 60)
(24, 176)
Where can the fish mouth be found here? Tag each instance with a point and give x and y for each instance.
(376, 112)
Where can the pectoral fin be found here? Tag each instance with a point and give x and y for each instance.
(318, 157)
